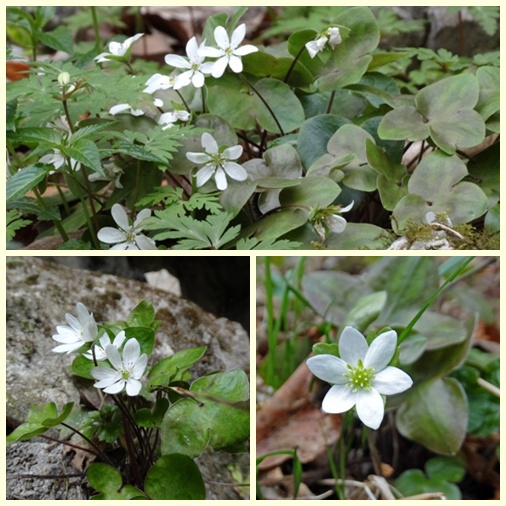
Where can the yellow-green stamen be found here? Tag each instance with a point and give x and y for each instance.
(360, 377)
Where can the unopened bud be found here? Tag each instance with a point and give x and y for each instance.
(64, 78)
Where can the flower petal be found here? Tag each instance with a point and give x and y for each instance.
(381, 351)
(221, 37)
(391, 380)
(328, 368)
(238, 35)
(336, 223)
(352, 346)
(133, 387)
(141, 216)
(370, 408)
(339, 399)
(113, 356)
(209, 143)
(211, 52)
(198, 158)
(219, 67)
(221, 179)
(174, 60)
(131, 351)
(120, 217)
(235, 171)
(192, 49)
(145, 243)
(204, 174)
(244, 50)
(111, 235)
(139, 366)
(183, 79)
(233, 152)
(312, 48)
(235, 64)
(198, 79)
(116, 388)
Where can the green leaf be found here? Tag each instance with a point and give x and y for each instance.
(86, 152)
(24, 180)
(34, 136)
(445, 468)
(357, 236)
(175, 477)
(366, 310)
(215, 415)
(81, 366)
(59, 39)
(172, 368)
(414, 482)
(152, 418)
(312, 192)
(108, 481)
(39, 420)
(142, 315)
(434, 414)
(443, 110)
(277, 224)
(488, 103)
(349, 140)
(436, 185)
(144, 335)
(314, 135)
(326, 349)
(350, 59)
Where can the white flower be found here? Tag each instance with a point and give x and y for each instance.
(126, 371)
(217, 163)
(361, 375)
(337, 223)
(128, 236)
(169, 118)
(195, 65)
(159, 82)
(79, 331)
(116, 109)
(57, 159)
(63, 78)
(111, 173)
(118, 49)
(105, 341)
(228, 53)
(331, 35)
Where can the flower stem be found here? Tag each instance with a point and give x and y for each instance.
(331, 101)
(184, 101)
(259, 95)
(294, 62)
(56, 223)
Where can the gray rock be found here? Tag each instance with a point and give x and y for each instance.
(39, 294)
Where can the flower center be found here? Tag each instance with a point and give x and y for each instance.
(195, 66)
(229, 51)
(359, 377)
(125, 374)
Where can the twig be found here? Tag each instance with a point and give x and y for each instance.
(489, 387)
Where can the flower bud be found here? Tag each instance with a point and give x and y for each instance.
(64, 78)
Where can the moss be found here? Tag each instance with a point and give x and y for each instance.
(475, 238)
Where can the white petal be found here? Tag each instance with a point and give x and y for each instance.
(204, 174)
(336, 223)
(198, 158)
(235, 171)
(198, 79)
(131, 351)
(141, 216)
(183, 79)
(244, 50)
(370, 407)
(352, 346)
(219, 67)
(133, 387)
(139, 366)
(120, 217)
(221, 179)
(209, 143)
(339, 399)
(192, 49)
(116, 388)
(67, 348)
(174, 60)
(113, 356)
(127, 43)
(116, 48)
(328, 368)
(235, 64)
(145, 243)
(347, 208)
(381, 351)
(391, 380)
(221, 37)
(211, 52)
(121, 246)
(238, 35)
(105, 375)
(233, 153)
(74, 323)
(207, 67)
(111, 235)
(312, 48)
(116, 109)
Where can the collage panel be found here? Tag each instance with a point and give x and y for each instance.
(377, 378)
(128, 378)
